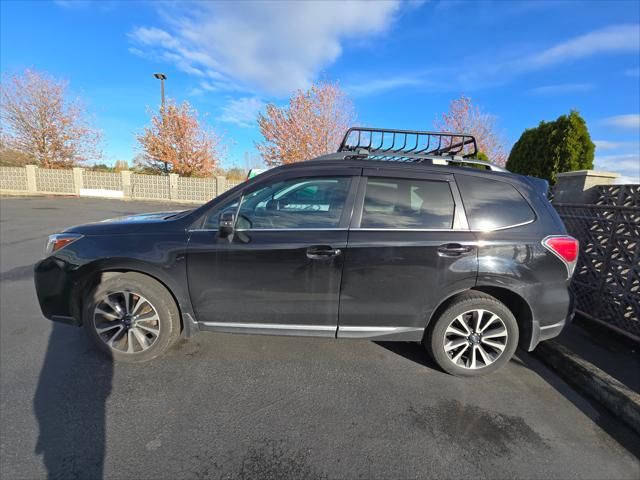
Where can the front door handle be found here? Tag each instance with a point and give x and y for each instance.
(322, 252)
(453, 250)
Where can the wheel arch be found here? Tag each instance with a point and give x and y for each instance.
(514, 302)
(92, 274)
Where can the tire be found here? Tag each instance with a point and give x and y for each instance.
(455, 338)
(133, 332)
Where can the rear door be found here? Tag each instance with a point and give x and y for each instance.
(409, 248)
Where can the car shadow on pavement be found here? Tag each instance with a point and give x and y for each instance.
(413, 351)
(70, 405)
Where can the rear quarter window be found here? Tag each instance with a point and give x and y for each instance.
(491, 204)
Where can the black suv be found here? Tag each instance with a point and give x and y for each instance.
(391, 238)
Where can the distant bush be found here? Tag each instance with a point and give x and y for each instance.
(563, 145)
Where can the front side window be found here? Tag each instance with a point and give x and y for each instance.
(211, 220)
(393, 203)
(295, 204)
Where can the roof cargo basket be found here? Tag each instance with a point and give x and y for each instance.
(387, 142)
(412, 146)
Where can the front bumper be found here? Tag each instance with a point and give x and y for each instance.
(54, 286)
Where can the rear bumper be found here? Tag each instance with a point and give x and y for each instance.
(540, 333)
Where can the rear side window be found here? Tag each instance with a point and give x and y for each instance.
(393, 203)
(491, 204)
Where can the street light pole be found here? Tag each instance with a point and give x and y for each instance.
(162, 77)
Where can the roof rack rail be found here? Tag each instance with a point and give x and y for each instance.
(412, 146)
(393, 142)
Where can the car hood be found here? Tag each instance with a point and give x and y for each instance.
(128, 224)
(146, 217)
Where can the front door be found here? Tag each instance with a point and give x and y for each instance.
(280, 270)
(409, 248)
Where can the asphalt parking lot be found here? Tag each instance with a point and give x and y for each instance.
(225, 406)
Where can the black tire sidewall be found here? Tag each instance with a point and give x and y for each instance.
(155, 293)
(436, 340)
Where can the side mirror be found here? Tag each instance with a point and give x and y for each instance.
(226, 222)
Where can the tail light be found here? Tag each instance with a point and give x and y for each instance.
(565, 248)
(60, 240)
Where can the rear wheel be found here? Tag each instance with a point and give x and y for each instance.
(476, 335)
(132, 317)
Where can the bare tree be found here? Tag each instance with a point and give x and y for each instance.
(312, 124)
(41, 122)
(177, 142)
(464, 117)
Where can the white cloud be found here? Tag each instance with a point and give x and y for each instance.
(72, 3)
(270, 46)
(102, 5)
(627, 165)
(562, 89)
(491, 70)
(609, 145)
(623, 121)
(242, 111)
(616, 38)
(380, 85)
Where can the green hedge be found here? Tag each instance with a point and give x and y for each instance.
(563, 145)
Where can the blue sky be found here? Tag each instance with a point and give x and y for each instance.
(402, 62)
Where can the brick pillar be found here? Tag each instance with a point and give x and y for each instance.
(173, 186)
(221, 185)
(31, 178)
(579, 186)
(126, 183)
(78, 180)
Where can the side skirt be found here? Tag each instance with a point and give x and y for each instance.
(328, 331)
(403, 334)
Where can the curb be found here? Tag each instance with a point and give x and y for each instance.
(623, 402)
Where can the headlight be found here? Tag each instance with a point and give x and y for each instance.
(60, 240)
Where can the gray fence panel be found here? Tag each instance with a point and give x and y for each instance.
(196, 189)
(55, 181)
(101, 180)
(150, 186)
(13, 178)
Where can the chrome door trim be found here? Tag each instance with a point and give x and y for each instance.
(369, 332)
(409, 230)
(271, 328)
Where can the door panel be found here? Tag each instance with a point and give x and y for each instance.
(408, 249)
(396, 278)
(280, 271)
(266, 277)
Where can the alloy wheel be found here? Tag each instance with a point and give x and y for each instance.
(475, 339)
(126, 321)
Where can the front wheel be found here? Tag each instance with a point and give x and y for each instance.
(131, 317)
(474, 336)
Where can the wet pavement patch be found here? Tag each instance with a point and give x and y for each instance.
(267, 460)
(476, 431)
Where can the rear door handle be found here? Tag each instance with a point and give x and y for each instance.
(453, 250)
(322, 252)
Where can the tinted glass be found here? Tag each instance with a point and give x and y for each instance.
(300, 203)
(491, 204)
(212, 218)
(406, 203)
